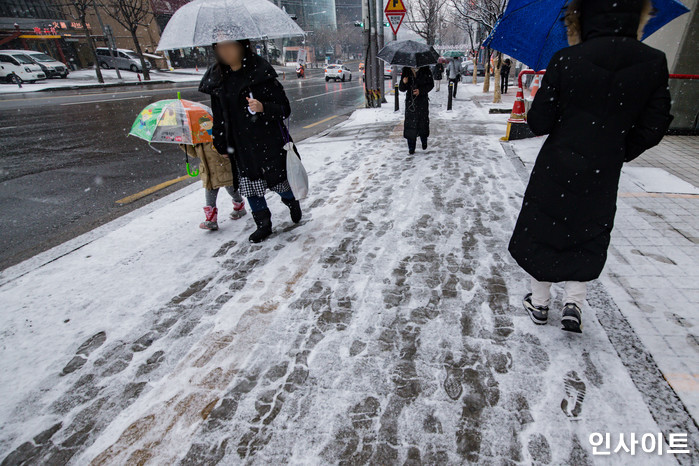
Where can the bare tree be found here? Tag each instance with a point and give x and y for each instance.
(451, 33)
(484, 13)
(78, 10)
(322, 39)
(424, 18)
(349, 38)
(131, 14)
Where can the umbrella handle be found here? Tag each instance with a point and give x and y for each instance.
(189, 171)
(192, 173)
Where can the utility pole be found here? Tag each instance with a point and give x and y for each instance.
(367, 51)
(371, 65)
(374, 52)
(394, 74)
(380, 27)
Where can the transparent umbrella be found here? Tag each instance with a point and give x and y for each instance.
(203, 22)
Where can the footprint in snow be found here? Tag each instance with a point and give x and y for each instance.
(575, 394)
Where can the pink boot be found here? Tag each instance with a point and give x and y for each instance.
(238, 210)
(211, 222)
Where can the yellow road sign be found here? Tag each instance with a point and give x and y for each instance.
(395, 6)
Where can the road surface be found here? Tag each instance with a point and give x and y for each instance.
(67, 160)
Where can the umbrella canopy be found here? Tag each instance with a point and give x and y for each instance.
(453, 54)
(174, 121)
(203, 22)
(532, 31)
(409, 53)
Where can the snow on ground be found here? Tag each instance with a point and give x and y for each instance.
(83, 78)
(385, 328)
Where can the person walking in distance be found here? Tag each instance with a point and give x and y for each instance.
(416, 83)
(454, 73)
(505, 75)
(603, 101)
(437, 75)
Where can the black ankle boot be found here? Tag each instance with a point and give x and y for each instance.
(263, 220)
(294, 209)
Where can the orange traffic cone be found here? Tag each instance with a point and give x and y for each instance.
(518, 109)
(517, 127)
(535, 86)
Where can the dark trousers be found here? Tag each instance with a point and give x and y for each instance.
(504, 82)
(258, 203)
(412, 143)
(456, 84)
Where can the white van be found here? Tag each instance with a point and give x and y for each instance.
(49, 65)
(15, 65)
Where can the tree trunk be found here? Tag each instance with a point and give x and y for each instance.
(475, 69)
(146, 73)
(91, 43)
(486, 82)
(497, 97)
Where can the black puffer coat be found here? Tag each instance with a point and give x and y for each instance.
(438, 72)
(417, 109)
(256, 141)
(602, 102)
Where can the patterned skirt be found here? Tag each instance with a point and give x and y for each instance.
(249, 188)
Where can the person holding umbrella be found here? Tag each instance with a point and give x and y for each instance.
(249, 107)
(416, 83)
(603, 101)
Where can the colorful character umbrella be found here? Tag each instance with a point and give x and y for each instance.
(532, 31)
(175, 121)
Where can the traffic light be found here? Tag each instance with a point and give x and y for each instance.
(359, 24)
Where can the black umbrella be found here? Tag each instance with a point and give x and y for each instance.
(409, 53)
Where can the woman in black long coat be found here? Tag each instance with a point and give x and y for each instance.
(249, 106)
(416, 85)
(438, 75)
(603, 102)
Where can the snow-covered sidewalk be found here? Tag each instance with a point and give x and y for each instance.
(386, 328)
(653, 267)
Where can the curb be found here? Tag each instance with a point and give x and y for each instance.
(95, 86)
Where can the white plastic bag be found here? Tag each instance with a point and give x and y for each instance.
(296, 172)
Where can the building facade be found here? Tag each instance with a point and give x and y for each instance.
(311, 15)
(49, 27)
(680, 41)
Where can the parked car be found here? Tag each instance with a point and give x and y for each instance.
(49, 65)
(16, 66)
(124, 59)
(338, 73)
(468, 68)
(387, 71)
